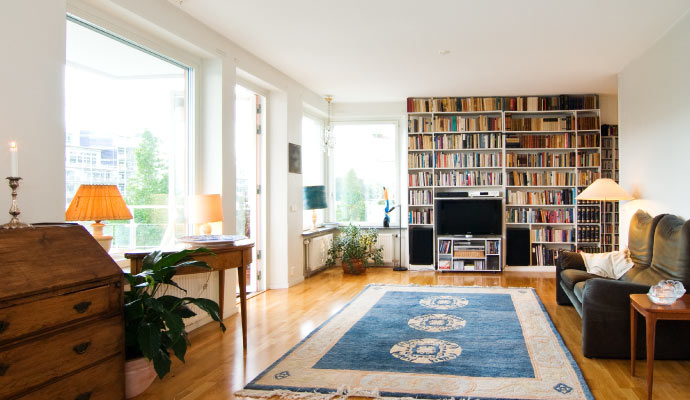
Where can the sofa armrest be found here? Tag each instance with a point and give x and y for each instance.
(606, 317)
(566, 260)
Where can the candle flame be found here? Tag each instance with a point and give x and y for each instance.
(13, 145)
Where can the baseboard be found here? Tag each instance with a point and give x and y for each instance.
(531, 268)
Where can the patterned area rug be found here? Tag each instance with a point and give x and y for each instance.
(430, 343)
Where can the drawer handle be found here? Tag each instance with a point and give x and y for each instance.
(83, 396)
(3, 326)
(82, 307)
(81, 348)
(3, 369)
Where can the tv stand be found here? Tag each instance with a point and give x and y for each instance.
(467, 253)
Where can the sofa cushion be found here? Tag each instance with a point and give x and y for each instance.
(641, 237)
(579, 288)
(570, 277)
(672, 249)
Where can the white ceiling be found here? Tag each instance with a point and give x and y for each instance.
(387, 50)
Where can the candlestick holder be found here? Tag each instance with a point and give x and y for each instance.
(14, 209)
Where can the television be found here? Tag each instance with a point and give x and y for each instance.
(473, 217)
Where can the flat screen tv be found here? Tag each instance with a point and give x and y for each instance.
(468, 217)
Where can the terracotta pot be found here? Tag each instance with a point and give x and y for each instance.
(139, 374)
(357, 267)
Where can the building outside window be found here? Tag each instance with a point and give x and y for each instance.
(364, 162)
(127, 125)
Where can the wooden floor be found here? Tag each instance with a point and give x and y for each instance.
(278, 319)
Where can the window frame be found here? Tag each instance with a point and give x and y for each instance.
(331, 163)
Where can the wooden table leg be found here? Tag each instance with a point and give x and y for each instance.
(651, 332)
(243, 302)
(221, 293)
(633, 338)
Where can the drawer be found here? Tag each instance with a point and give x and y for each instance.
(104, 381)
(23, 319)
(51, 356)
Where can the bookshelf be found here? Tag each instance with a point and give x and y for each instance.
(609, 169)
(540, 151)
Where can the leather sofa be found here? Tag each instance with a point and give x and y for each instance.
(660, 249)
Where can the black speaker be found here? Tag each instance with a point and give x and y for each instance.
(517, 246)
(421, 245)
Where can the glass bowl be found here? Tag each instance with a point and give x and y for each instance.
(666, 292)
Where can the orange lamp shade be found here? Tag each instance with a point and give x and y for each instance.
(207, 208)
(97, 203)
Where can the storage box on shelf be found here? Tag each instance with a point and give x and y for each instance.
(538, 150)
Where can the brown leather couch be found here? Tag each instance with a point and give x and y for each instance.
(660, 249)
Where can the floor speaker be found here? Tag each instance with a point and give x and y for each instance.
(421, 245)
(517, 246)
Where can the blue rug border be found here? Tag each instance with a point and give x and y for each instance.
(581, 379)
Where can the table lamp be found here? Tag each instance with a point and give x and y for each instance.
(98, 203)
(605, 189)
(314, 199)
(208, 208)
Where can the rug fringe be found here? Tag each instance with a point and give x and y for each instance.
(451, 286)
(340, 394)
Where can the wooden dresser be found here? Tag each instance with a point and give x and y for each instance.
(61, 321)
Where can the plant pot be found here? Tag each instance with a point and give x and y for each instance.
(139, 374)
(357, 267)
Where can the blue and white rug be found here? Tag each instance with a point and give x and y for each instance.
(432, 343)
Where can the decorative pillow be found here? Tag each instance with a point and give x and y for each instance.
(609, 265)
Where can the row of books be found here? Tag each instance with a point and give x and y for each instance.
(421, 178)
(588, 233)
(609, 130)
(456, 123)
(610, 218)
(493, 247)
(467, 160)
(419, 160)
(543, 255)
(588, 140)
(468, 141)
(610, 228)
(461, 265)
(554, 141)
(420, 142)
(554, 197)
(588, 214)
(421, 217)
(611, 175)
(539, 216)
(543, 178)
(540, 160)
(516, 103)
(420, 124)
(444, 247)
(588, 159)
(469, 178)
(586, 178)
(609, 154)
(419, 197)
(536, 124)
(587, 122)
(551, 234)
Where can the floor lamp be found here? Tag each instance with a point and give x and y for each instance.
(605, 189)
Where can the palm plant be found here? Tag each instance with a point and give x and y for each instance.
(154, 322)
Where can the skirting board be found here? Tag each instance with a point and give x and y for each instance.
(531, 268)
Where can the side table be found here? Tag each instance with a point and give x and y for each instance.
(679, 311)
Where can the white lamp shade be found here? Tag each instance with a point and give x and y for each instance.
(207, 208)
(604, 189)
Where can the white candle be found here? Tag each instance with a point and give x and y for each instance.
(14, 163)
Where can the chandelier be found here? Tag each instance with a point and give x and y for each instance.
(328, 139)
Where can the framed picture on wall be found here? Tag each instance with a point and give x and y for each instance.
(294, 158)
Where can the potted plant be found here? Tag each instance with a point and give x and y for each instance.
(154, 320)
(355, 248)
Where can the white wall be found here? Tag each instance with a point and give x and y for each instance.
(654, 114)
(32, 43)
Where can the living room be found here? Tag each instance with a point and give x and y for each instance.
(280, 97)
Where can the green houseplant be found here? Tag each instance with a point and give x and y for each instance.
(355, 248)
(154, 320)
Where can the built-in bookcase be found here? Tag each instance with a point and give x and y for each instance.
(609, 169)
(539, 151)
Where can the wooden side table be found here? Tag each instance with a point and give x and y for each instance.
(679, 311)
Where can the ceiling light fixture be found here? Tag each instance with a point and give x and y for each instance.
(444, 52)
(328, 138)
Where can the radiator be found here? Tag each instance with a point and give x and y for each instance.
(318, 252)
(389, 242)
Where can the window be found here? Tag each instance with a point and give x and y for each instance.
(126, 115)
(364, 162)
(312, 162)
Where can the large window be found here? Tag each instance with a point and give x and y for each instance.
(126, 116)
(364, 162)
(312, 162)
